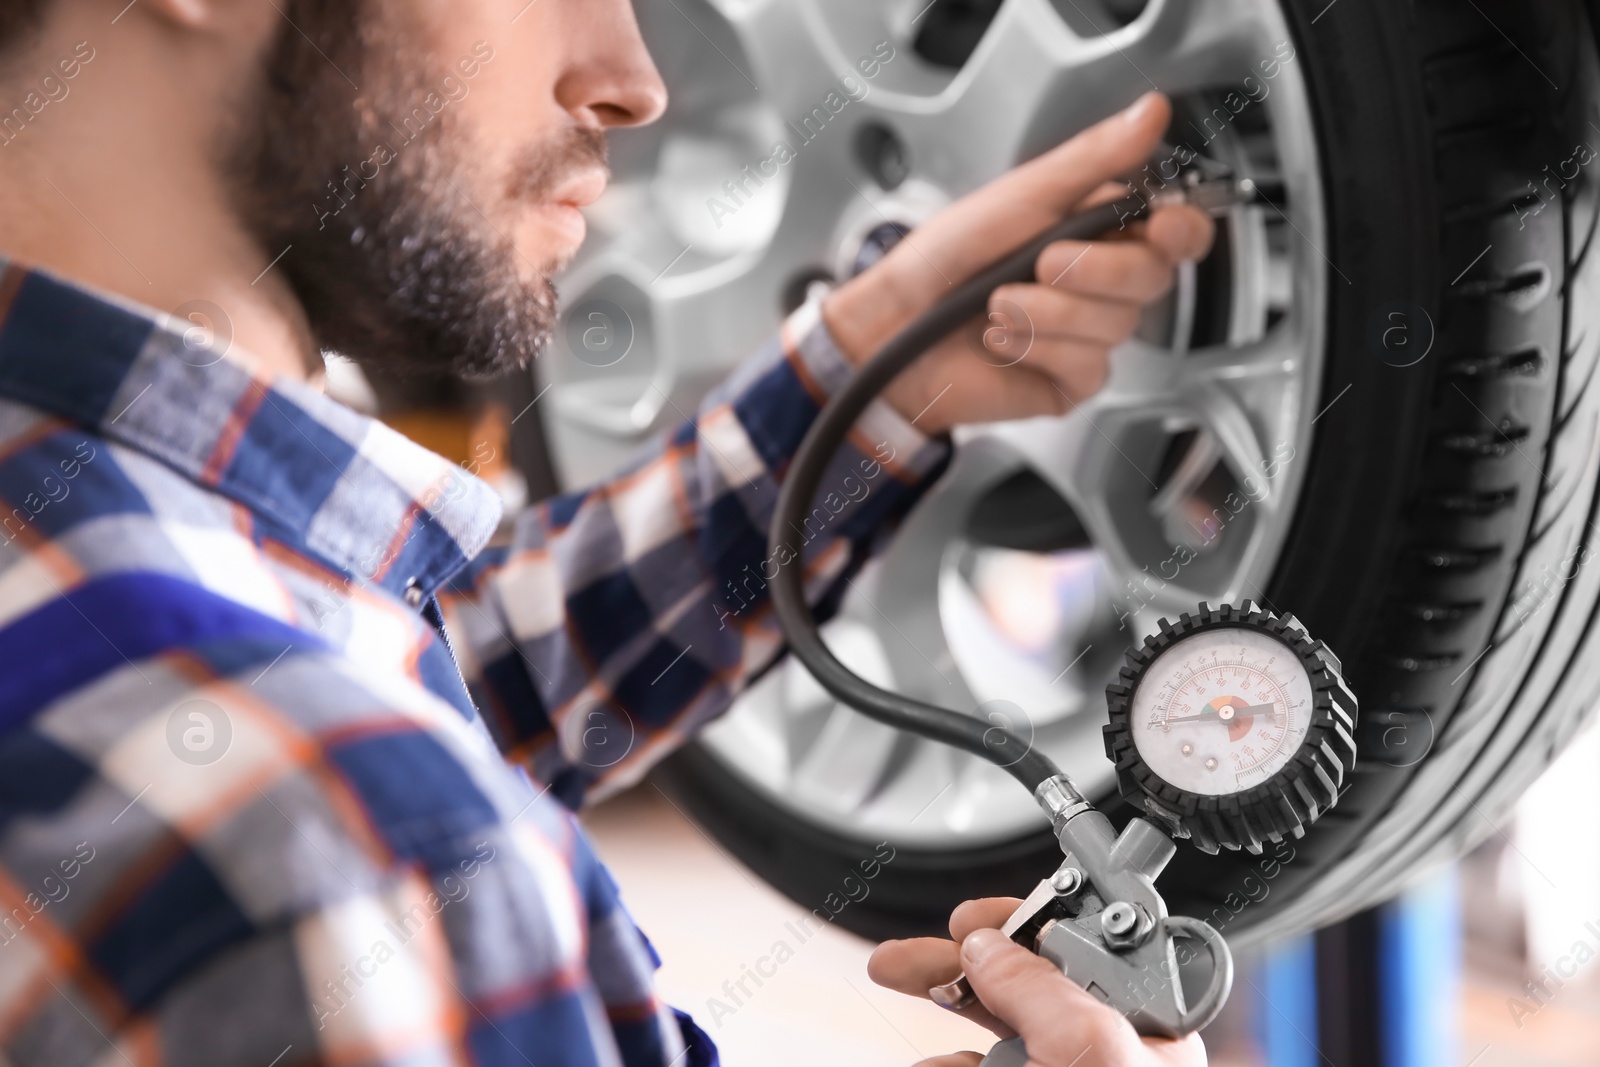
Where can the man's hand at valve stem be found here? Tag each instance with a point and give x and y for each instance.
(1045, 344)
(1022, 994)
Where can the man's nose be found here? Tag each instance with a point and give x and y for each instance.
(616, 83)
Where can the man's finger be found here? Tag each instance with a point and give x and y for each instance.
(1058, 1019)
(1020, 203)
(1078, 368)
(914, 966)
(1119, 145)
(1040, 311)
(1183, 234)
(1132, 271)
(958, 1059)
(990, 912)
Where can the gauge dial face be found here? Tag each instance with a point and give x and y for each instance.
(1222, 710)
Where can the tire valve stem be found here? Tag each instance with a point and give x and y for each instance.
(1215, 196)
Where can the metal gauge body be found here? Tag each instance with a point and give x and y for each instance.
(1232, 727)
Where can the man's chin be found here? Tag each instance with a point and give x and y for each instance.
(443, 318)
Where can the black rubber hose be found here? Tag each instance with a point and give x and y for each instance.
(833, 424)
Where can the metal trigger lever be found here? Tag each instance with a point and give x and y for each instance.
(1100, 920)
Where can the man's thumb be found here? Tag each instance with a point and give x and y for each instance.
(1033, 997)
(1117, 145)
(1002, 961)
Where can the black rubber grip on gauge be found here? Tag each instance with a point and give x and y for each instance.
(1282, 806)
(828, 432)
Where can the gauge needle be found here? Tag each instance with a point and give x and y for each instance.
(1214, 716)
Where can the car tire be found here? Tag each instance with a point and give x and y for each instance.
(1442, 540)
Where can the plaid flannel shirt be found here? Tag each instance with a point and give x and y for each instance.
(250, 813)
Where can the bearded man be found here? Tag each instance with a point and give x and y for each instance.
(288, 754)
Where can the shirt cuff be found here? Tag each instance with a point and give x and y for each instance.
(913, 453)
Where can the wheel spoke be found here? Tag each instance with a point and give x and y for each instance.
(1244, 401)
(1039, 76)
(1237, 392)
(996, 101)
(1105, 459)
(795, 57)
(847, 762)
(845, 758)
(903, 606)
(1274, 356)
(1188, 44)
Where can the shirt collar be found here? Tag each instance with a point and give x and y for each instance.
(333, 483)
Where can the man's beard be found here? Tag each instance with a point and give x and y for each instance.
(389, 248)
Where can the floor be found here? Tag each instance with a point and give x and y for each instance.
(1558, 1035)
(709, 919)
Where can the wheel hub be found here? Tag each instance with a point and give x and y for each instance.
(1175, 484)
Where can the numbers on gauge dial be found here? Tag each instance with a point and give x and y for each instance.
(1221, 710)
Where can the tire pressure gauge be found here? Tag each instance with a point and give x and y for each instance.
(1232, 727)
